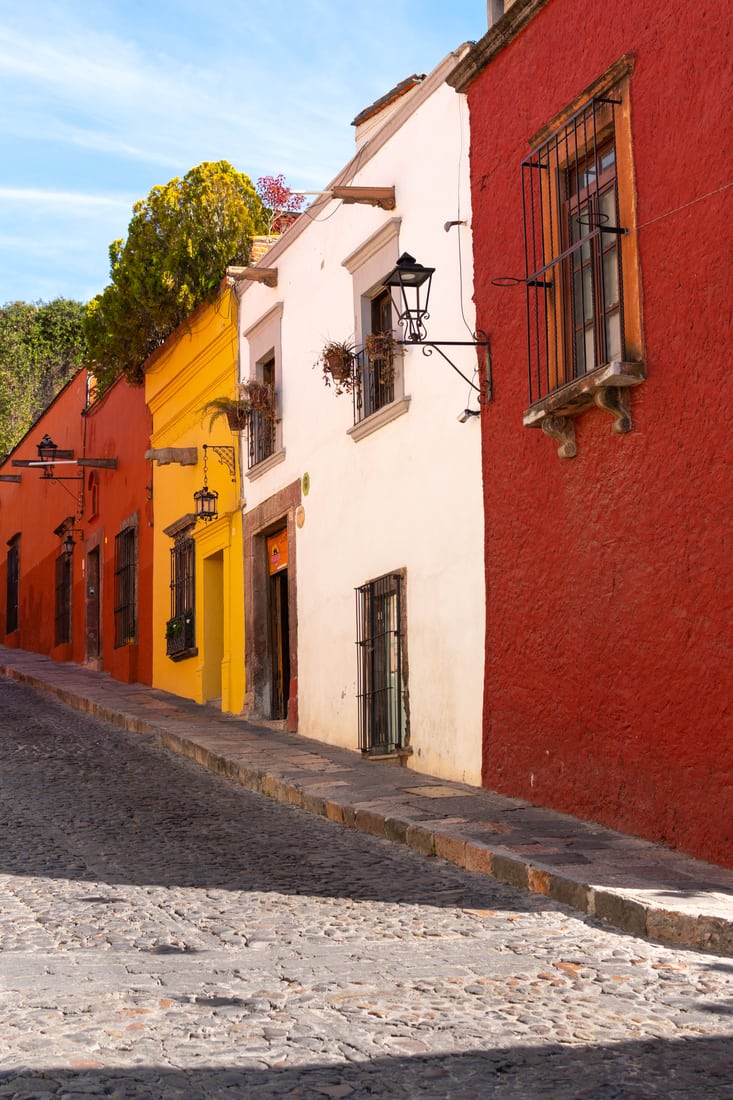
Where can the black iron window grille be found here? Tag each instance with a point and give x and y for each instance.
(572, 241)
(261, 427)
(62, 616)
(125, 587)
(180, 630)
(260, 437)
(374, 383)
(379, 647)
(12, 587)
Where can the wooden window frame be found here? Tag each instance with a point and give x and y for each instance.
(560, 385)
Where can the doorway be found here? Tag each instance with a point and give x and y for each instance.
(271, 607)
(93, 631)
(213, 647)
(279, 624)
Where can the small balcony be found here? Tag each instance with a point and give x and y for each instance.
(180, 636)
(260, 437)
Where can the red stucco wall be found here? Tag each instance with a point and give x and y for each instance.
(118, 426)
(608, 678)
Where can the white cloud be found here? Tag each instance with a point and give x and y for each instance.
(31, 196)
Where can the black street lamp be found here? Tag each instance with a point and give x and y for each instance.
(47, 453)
(205, 499)
(410, 284)
(410, 276)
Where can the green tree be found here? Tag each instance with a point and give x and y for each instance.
(41, 346)
(179, 243)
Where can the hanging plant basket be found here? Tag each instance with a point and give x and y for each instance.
(338, 366)
(381, 348)
(236, 418)
(252, 396)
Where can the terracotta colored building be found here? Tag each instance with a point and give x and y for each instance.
(76, 533)
(602, 214)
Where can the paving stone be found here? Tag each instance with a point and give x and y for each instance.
(166, 932)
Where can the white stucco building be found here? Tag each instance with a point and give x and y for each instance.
(363, 530)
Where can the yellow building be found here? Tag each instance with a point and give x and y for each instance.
(198, 599)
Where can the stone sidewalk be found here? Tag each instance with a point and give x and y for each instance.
(642, 888)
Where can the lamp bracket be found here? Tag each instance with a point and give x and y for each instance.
(481, 340)
(226, 458)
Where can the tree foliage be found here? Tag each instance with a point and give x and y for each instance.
(41, 346)
(281, 205)
(179, 243)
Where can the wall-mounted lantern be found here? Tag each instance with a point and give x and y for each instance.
(68, 543)
(47, 451)
(205, 499)
(410, 284)
(410, 276)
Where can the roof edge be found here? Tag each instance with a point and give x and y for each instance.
(421, 92)
(504, 31)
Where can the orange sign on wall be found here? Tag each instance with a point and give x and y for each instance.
(277, 552)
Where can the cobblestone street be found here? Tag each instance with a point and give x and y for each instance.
(165, 933)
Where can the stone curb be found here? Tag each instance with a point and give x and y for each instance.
(700, 932)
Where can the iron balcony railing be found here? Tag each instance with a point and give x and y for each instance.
(180, 634)
(260, 437)
(373, 383)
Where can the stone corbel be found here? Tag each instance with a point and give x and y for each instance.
(184, 456)
(562, 429)
(617, 402)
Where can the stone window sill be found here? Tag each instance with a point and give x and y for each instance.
(607, 387)
(379, 418)
(267, 464)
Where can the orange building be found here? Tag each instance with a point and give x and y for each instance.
(76, 533)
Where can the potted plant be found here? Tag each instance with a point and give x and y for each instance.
(251, 396)
(381, 348)
(337, 363)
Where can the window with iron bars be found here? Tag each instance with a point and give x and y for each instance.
(261, 426)
(379, 646)
(62, 616)
(180, 630)
(572, 237)
(260, 437)
(125, 610)
(374, 386)
(12, 585)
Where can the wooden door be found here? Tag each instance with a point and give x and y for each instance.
(93, 632)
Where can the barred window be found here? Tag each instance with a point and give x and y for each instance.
(375, 365)
(261, 426)
(125, 610)
(12, 586)
(62, 616)
(379, 646)
(180, 631)
(575, 307)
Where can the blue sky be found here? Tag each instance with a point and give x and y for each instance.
(101, 100)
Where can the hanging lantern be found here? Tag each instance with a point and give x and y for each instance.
(205, 499)
(409, 277)
(47, 453)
